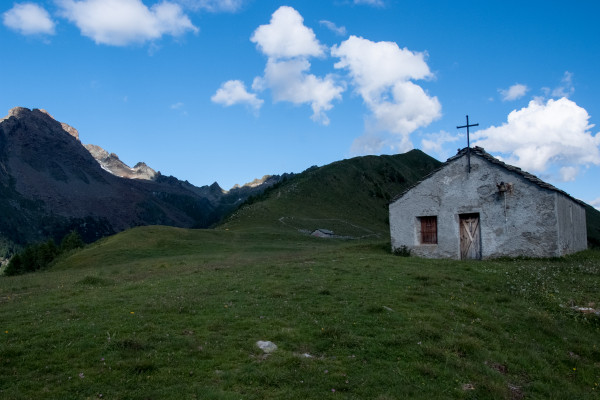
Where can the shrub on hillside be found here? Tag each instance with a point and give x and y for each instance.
(71, 242)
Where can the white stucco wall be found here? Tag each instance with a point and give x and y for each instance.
(524, 222)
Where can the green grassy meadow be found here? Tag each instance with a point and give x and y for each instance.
(167, 313)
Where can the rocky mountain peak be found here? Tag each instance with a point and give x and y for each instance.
(22, 112)
(110, 162)
(97, 152)
(18, 112)
(70, 130)
(67, 128)
(216, 188)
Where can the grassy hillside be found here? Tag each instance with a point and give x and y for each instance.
(166, 313)
(349, 197)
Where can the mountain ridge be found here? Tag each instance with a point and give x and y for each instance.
(50, 184)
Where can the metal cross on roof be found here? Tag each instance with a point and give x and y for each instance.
(468, 141)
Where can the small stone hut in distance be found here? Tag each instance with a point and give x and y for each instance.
(476, 207)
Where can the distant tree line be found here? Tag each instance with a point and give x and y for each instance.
(39, 256)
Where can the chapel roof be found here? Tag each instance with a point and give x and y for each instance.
(479, 151)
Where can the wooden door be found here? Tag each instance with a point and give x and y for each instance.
(470, 237)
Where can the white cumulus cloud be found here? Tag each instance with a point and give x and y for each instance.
(383, 74)
(288, 44)
(234, 92)
(514, 92)
(545, 134)
(289, 81)
(377, 66)
(29, 19)
(122, 22)
(596, 203)
(286, 36)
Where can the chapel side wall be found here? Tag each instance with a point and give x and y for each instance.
(521, 222)
(572, 226)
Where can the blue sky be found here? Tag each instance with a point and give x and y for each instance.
(231, 90)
